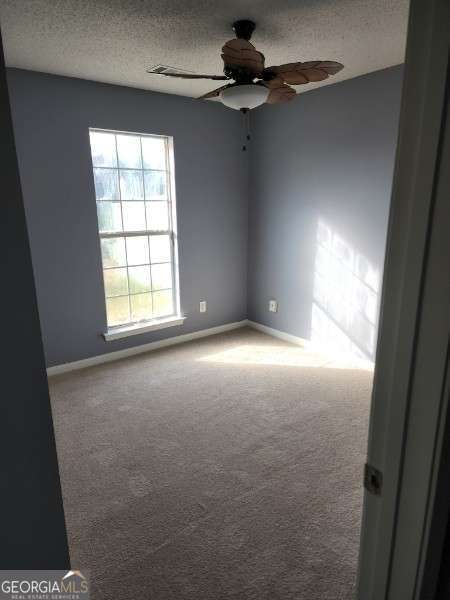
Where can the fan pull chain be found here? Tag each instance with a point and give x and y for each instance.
(246, 114)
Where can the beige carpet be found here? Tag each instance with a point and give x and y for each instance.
(228, 468)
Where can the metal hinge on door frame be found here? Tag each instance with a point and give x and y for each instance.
(373, 480)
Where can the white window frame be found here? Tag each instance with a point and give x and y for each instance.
(114, 332)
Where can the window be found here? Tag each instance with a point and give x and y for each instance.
(133, 177)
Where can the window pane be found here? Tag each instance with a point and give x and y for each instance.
(137, 250)
(157, 215)
(162, 303)
(113, 252)
(129, 151)
(103, 149)
(155, 185)
(159, 248)
(132, 188)
(116, 282)
(139, 279)
(161, 276)
(131, 185)
(106, 184)
(117, 310)
(154, 153)
(133, 216)
(109, 217)
(141, 307)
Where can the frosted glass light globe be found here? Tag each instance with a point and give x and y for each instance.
(244, 96)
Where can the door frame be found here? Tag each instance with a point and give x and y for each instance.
(405, 441)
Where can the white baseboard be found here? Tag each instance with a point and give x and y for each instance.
(180, 339)
(309, 345)
(118, 354)
(281, 335)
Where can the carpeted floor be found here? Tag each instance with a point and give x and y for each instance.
(228, 468)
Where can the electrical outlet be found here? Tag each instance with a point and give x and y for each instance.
(273, 306)
(203, 306)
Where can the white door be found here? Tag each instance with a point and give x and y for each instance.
(408, 399)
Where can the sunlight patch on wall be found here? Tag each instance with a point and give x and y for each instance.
(346, 296)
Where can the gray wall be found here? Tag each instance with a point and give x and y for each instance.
(320, 167)
(319, 201)
(51, 119)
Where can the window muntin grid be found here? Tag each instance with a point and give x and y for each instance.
(135, 208)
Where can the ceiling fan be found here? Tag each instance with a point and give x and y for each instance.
(250, 82)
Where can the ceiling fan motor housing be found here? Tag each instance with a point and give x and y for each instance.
(239, 74)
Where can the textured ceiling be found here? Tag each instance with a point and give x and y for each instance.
(116, 41)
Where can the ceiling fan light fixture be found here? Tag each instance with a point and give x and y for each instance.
(245, 96)
(250, 82)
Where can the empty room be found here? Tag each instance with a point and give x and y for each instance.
(207, 191)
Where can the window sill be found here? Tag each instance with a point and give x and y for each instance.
(116, 333)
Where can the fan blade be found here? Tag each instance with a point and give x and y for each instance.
(331, 67)
(276, 82)
(279, 92)
(192, 76)
(300, 73)
(213, 93)
(242, 54)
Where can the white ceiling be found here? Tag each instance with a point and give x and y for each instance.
(116, 41)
